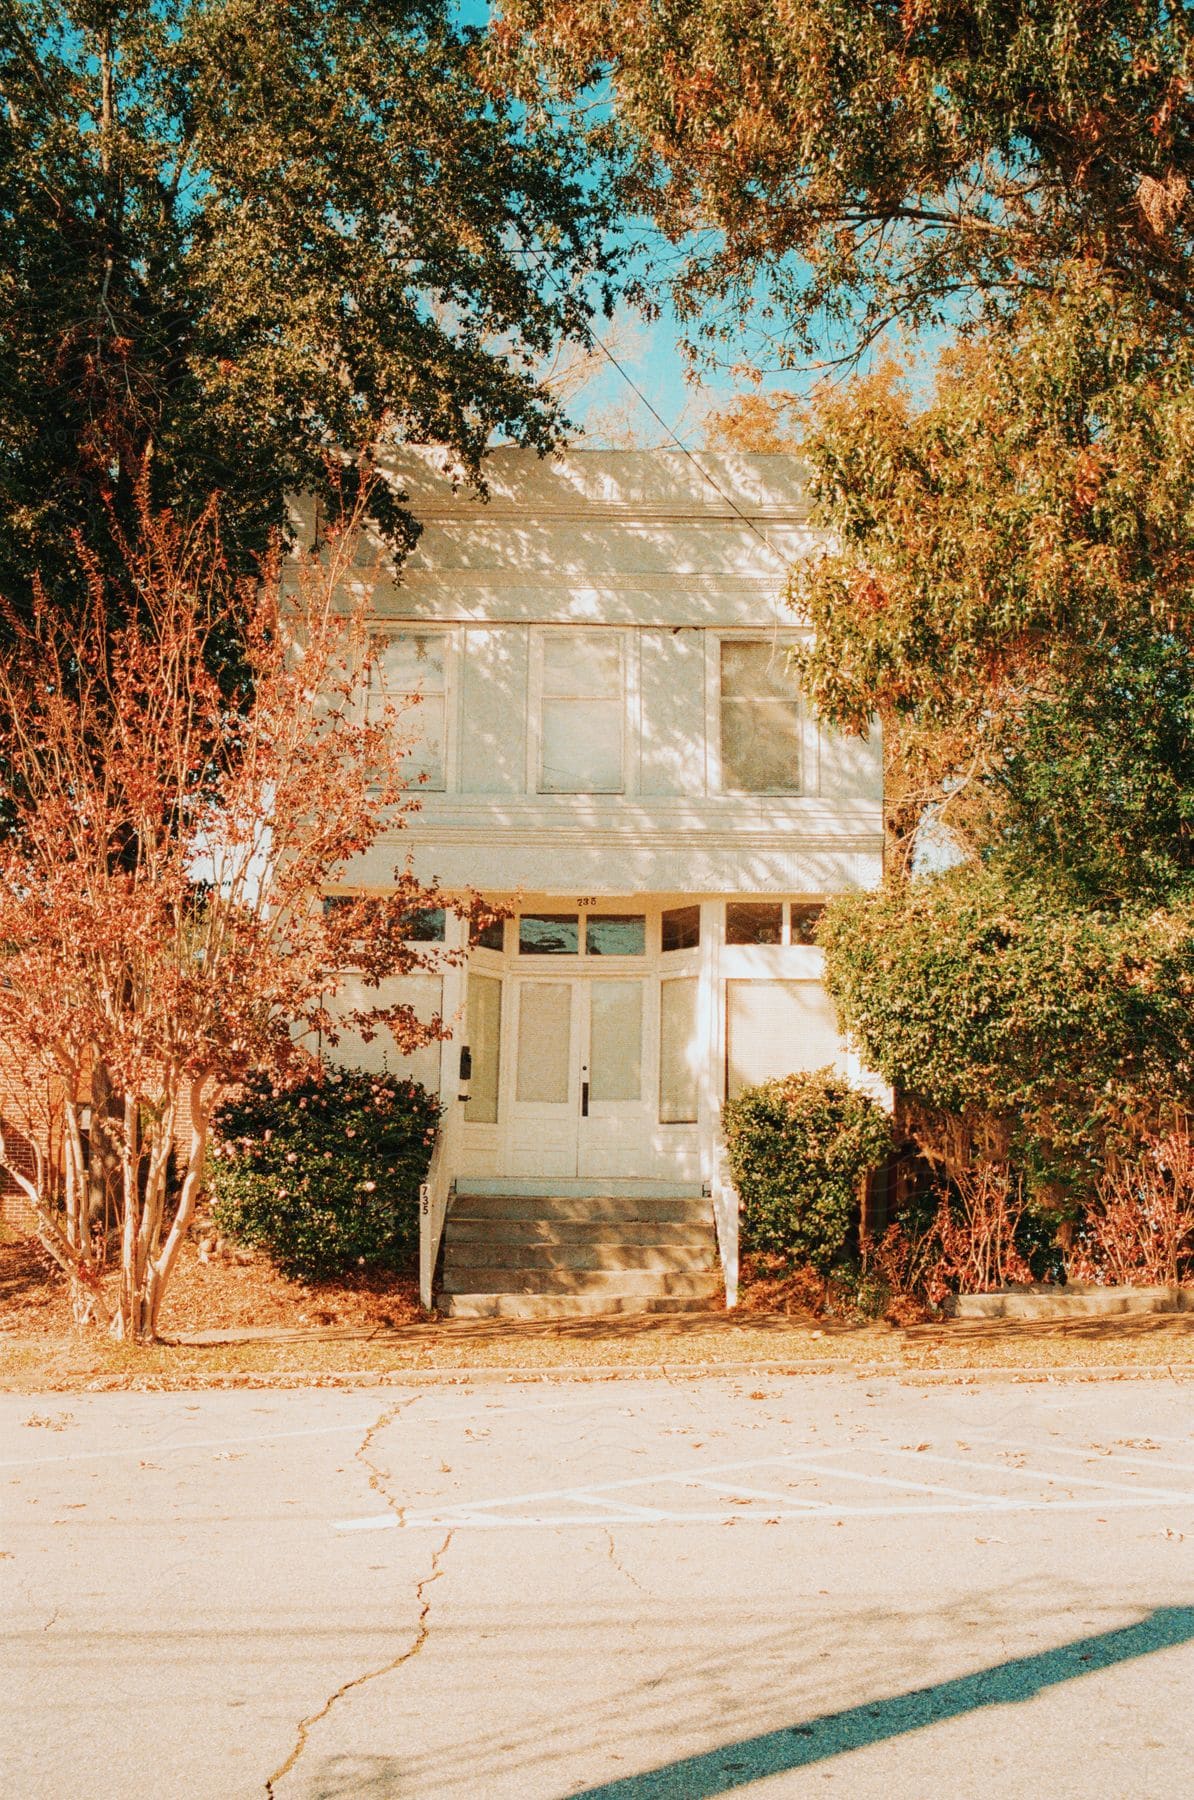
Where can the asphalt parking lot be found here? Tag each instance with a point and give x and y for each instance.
(609, 1590)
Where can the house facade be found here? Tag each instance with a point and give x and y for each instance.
(612, 749)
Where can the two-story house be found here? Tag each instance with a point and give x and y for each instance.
(613, 748)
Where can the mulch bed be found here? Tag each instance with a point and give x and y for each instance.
(232, 1290)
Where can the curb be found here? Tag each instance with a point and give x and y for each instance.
(560, 1373)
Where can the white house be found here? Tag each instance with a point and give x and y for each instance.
(615, 750)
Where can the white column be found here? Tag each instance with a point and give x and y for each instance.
(712, 1030)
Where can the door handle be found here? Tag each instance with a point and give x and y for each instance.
(584, 1099)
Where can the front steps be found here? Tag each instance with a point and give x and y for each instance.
(572, 1256)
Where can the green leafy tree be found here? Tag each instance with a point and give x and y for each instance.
(1000, 546)
(246, 242)
(854, 162)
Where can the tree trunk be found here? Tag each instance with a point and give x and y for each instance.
(103, 1153)
(163, 1266)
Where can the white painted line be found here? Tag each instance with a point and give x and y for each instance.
(894, 1481)
(169, 1449)
(1065, 1479)
(752, 1493)
(1145, 1460)
(448, 1520)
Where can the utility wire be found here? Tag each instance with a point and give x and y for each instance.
(599, 345)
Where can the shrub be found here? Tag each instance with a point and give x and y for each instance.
(1014, 1027)
(324, 1175)
(799, 1148)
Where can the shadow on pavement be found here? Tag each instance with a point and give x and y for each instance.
(798, 1746)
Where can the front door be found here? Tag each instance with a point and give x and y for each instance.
(579, 1105)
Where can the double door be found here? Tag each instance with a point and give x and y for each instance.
(579, 1099)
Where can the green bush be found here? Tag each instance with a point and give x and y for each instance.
(324, 1175)
(1006, 1017)
(798, 1150)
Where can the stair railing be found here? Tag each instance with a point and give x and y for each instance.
(435, 1195)
(725, 1217)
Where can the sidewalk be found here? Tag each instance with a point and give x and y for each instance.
(1157, 1345)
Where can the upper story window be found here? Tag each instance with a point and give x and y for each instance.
(761, 728)
(582, 712)
(412, 671)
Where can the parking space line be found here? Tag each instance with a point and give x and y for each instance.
(1064, 1479)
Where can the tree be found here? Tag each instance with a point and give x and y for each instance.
(996, 546)
(833, 165)
(771, 423)
(160, 882)
(244, 243)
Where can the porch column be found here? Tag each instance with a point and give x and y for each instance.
(711, 1026)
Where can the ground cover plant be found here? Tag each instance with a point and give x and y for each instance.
(323, 1173)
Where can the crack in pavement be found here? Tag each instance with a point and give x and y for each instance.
(422, 1633)
(422, 1629)
(621, 1567)
(376, 1479)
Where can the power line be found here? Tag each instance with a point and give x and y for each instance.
(600, 345)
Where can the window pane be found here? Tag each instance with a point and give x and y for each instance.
(581, 747)
(489, 937)
(421, 724)
(425, 927)
(682, 928)
(412, 662)
(755, 922)
(776, 1028)
(484, 1040)
(549, 934)
(757, 670)
(615, 1040)
(616, 934)
(678, 1051)
(806, 916)
(582, 665)
(544, 1041)
(760, 746)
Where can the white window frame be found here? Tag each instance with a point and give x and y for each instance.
(626, 642)
(810, 737)
(383, 630)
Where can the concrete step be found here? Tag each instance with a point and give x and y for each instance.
(563, 1232)
(578, 1186)
(572, 1306)
(559, 1282)
(580, 1210)
(689, 1257)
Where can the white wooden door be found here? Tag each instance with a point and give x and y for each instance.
(580, 1094)
(612, 1138)
(548, 1085)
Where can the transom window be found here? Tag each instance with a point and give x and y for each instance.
(750, 922)
(755, 922)
(760, 718)
(604, 934)
(581, 713)
(680, 928)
